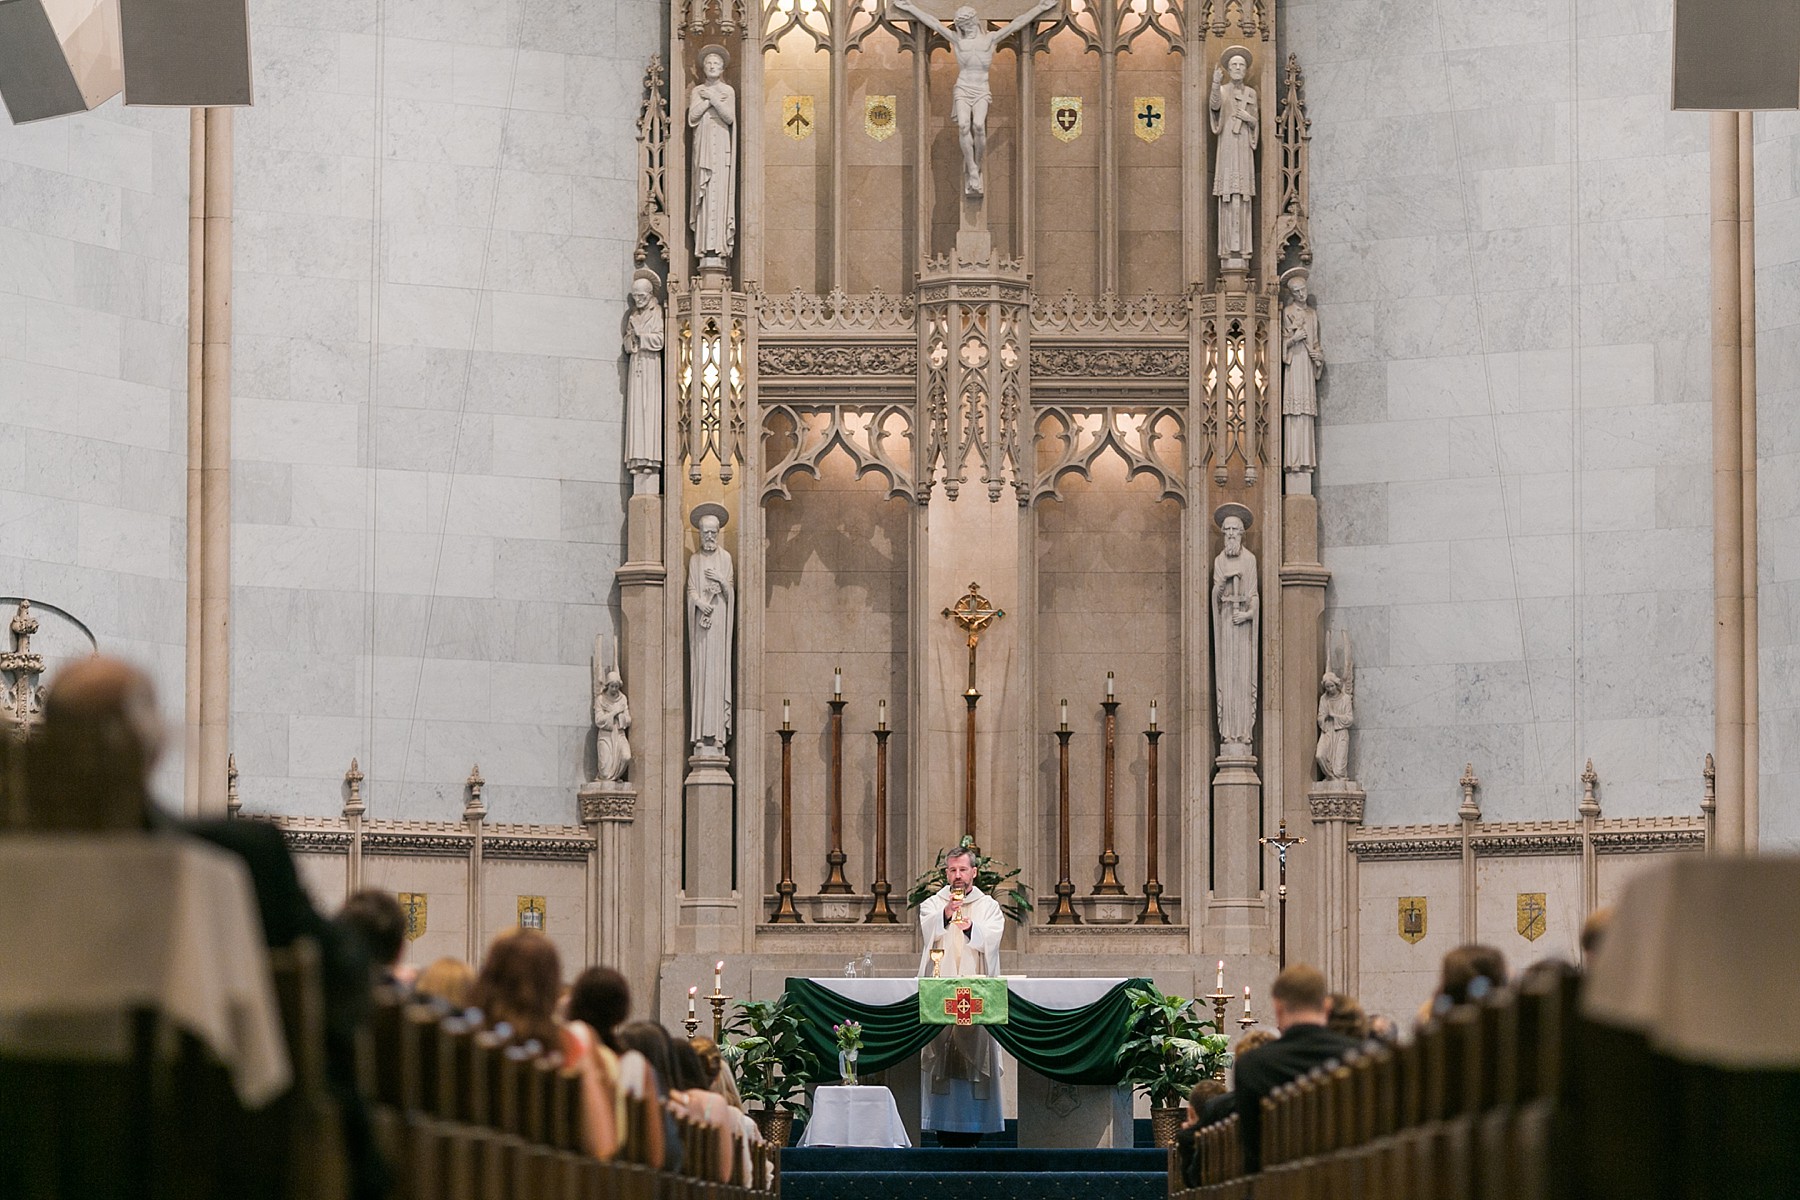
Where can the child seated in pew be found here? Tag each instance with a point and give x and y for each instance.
(598, 1002)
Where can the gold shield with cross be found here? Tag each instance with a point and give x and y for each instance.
(1149, 117)
(881, 116)
(413, 905)
(1534, 915)
(533, 914)
(1065, 117)
(1412, 918)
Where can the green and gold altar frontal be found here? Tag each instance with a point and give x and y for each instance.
(1076, 1045)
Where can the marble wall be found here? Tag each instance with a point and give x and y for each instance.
(93, 387)
(435, 218)
(1778, 471)
(1511, 240)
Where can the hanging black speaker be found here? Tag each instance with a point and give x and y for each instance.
(187, 53)
(1736, 54)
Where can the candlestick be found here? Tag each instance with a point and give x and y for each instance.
(836, 883)
(1152, 913)
(881, 715)
(718, 1007)
(719, 978)
(1065, 714)
(837, 681)
(879, 911)
(785, 913)
(1065, 913)
(787, 715)
(1109, 884)
(692, 1024)
(1153, 714)
(1109, 685)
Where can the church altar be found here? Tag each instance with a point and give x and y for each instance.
(1067, 1030)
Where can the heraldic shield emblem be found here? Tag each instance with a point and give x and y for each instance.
(412, 904)
(533, 913)
(880, 117)
(797, 119)
(1412, 918)
(1149, 117)
(1534, 915)
(1065, 117)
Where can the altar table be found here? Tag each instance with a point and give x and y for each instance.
(865, 1115)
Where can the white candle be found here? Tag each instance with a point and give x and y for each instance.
(787, 715)
(881, 715)
(837, 682)
(719, 978)
(1065, 714)
(1109, 685)
(1221, 984)
(1153, 714)
(692, 992)
(1246, 1002)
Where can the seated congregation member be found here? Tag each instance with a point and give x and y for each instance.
(88, 770)
(1346, 1016)
(1187, 1141)
(1298, 995)
(598, 1002)
(652, 1043)
(516, 992)
(716, 1071)
(445, 985)
(376, 919)
(1469, 973)
(691, 1096)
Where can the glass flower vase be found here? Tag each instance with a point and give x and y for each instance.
(847, 1067)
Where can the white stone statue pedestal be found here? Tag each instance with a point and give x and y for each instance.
(1237, 803)
(709, 841)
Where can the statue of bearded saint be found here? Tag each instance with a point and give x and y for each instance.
(1237, 626)
(1236, 120)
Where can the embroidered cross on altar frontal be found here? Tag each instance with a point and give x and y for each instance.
(973, 1001)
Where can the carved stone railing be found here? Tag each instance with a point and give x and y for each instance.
(877, 438)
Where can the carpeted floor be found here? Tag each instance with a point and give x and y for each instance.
(1006, 1173)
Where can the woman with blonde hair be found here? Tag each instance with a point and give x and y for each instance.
(446, 983)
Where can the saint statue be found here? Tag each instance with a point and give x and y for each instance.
(1337, 712)
(711, 612)
(973, 45)
(612, 718)
(712, 115)
(1235, 120)
(1237, 626)
(644, 378)
(1302, 363)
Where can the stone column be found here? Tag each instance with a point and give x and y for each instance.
(637, 948)
(1300, 664)
(611, 808)
(1334, 805)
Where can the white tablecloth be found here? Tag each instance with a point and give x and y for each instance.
(854, 1116)
(1700, 959)
(1045, 992)
(96, 925)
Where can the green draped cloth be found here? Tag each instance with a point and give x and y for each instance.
(1069, 1045)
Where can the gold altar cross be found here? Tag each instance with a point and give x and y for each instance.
(974, 613)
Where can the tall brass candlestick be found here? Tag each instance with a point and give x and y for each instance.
(1109, 884)
(879, 912)
(1065, 913)
(835, 883)
(1152, 913)
(717, 1000)
(785, 913)
(1219, 1000)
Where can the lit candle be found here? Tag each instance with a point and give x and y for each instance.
(1246, 1002)
(837, 683)
(787, 715)
(1221, 984)
(1065, 714)
(1153, 714)
(719, 978)
(1109, 685)
(692, 992)
(881, 715)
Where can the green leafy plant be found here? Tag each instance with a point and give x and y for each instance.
(992, 876)
(1170, 1046)
(768, 1056)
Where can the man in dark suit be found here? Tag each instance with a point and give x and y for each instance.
(1305, 1042)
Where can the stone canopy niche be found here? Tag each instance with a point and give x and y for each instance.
(1009, 294)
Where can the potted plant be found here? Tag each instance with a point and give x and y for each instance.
(992, 876)
(771, 1063)
(1170, 1047)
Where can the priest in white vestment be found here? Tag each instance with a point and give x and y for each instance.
(960, 1088)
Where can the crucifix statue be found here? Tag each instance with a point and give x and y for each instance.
(1282, 843)
(973, 613)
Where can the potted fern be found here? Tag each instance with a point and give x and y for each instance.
(1170, 1048)
(771, 1063)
